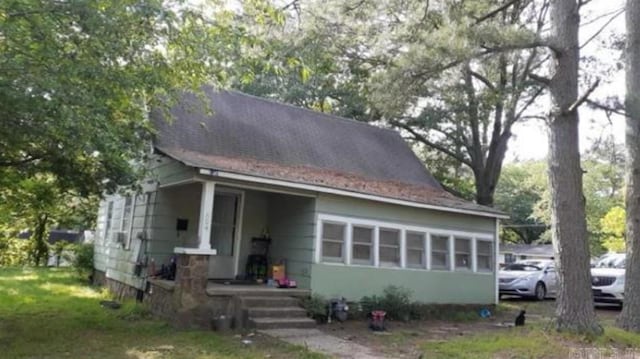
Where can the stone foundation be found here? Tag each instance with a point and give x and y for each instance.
(160, 299)
(193, 309)
(99, 278)
(118, 289)
(121, 290)
(183, 302)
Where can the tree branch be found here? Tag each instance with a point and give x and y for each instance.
(583, 98)
(12, 163)
(421, 138)
(606, 108)
(541, 79)
(483, 79)
(495, 12)
(528, 103)
(597, 33)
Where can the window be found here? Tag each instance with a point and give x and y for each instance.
(389, 247)
(362, 245)
(224, 222)
(509, 258)
(367, 242)
(126, 214)
(415, 250)
(484, 256)
(463, 253)
(108, 220)
(333, 242)
(439, 252)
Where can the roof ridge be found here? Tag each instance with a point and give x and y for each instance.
(328, 115)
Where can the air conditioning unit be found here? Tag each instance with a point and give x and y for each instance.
(119, 237)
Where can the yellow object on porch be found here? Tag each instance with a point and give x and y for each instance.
(278, 272)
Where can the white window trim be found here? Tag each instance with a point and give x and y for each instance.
(129, 230)
(372, 245)
(423, 249)
(491, 254)
(108, 221)
(471, 241)
(391, 264)
(319, 240)
(446, 268)
(349, 222)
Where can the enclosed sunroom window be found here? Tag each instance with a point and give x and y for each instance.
(333, 239)
(484, 255)
(463, 253)
(439, 252)
(389, 247)
(416, 252)
(362, 250)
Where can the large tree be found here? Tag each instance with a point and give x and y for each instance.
(629, 318)
(77, 77)
(574, 304)
(427, 69)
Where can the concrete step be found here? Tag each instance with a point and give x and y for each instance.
(269, 302)
(280, 323)
(277, 312)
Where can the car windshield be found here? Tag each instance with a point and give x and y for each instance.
(522, 267)
(612, 261)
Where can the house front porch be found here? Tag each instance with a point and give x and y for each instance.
(213, 232)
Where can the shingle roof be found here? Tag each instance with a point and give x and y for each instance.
(244, 134)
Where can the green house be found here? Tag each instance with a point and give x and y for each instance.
(348, 208)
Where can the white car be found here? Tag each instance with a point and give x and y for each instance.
(607, 279)
(530, 278)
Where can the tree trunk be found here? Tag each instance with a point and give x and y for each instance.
(629, 318)
(574, 304)
(40, 251)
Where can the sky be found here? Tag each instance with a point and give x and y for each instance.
(530, 138)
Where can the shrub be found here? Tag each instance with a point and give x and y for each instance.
(82, 258)
(13, 252)
(58, 249)
(316, 307)
(396, 301)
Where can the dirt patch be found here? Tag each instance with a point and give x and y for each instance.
(405, 339)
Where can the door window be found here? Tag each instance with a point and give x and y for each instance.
(224, 221)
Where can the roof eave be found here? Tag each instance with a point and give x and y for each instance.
(342, 192)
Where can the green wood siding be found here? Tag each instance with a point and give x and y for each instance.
(254, 221)
(292, 228)
(427, 286)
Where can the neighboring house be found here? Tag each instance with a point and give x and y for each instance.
(348, 206)
(57, 235)
(512, 252)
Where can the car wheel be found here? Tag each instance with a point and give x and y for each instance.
(540, 291)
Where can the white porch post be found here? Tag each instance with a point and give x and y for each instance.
(206, 215)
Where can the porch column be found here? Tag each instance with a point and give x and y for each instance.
(206, 215)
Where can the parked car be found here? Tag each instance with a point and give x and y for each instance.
(530, 278)
(607, 279)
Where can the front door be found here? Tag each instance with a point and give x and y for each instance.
(224, 233)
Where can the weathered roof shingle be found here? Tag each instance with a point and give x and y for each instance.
(244, 134)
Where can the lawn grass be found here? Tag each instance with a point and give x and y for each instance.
(51, 313)
(511, 343)
(535, 341)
